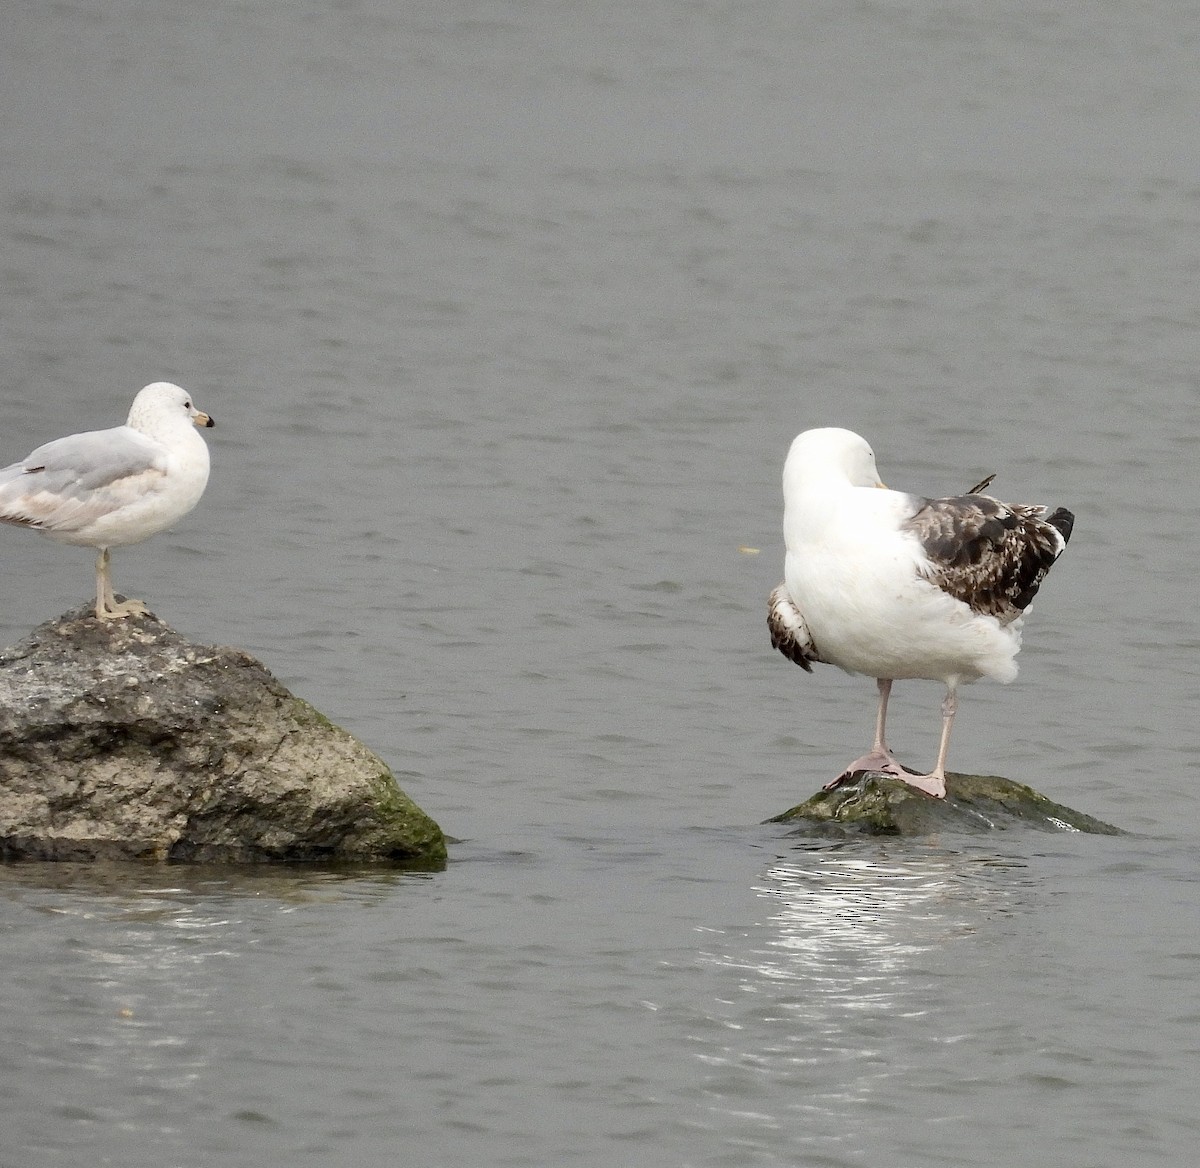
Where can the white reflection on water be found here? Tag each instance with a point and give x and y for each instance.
(854, 930)
(836, 990)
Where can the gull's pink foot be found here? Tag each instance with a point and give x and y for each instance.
(933, 785)
(885, 764)
(877, 762)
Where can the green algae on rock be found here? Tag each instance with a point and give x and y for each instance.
(879, 804)
(123, 740)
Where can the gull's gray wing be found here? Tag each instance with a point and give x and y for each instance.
(70, 482)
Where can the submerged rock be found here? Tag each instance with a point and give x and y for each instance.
(881, 805)
(122, 739)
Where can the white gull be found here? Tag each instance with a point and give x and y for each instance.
(894, 585)
(108, 488)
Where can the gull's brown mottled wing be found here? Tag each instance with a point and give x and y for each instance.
(789, 633)
(990, 555)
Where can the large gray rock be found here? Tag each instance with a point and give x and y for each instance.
(121, 739)
(877, 804)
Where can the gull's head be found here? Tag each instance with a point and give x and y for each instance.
(164, 404)
(829, 457)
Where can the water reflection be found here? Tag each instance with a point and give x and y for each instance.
(122, 887)
(835, 990)
(855, 929)
(130, 986)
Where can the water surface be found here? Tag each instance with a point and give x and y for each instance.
(506, 314)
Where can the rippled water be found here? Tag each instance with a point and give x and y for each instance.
(506, 314)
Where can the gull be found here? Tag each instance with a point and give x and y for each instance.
(108, 488)
(893, 585)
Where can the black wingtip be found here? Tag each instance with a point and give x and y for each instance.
(1063, 522)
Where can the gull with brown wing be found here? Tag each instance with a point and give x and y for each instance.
(895, 586)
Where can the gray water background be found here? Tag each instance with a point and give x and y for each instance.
(507, 313)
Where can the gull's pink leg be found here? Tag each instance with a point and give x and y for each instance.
(880, 760)
(934, 783)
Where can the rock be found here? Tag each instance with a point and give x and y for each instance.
(122, 739)
(881, 805)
